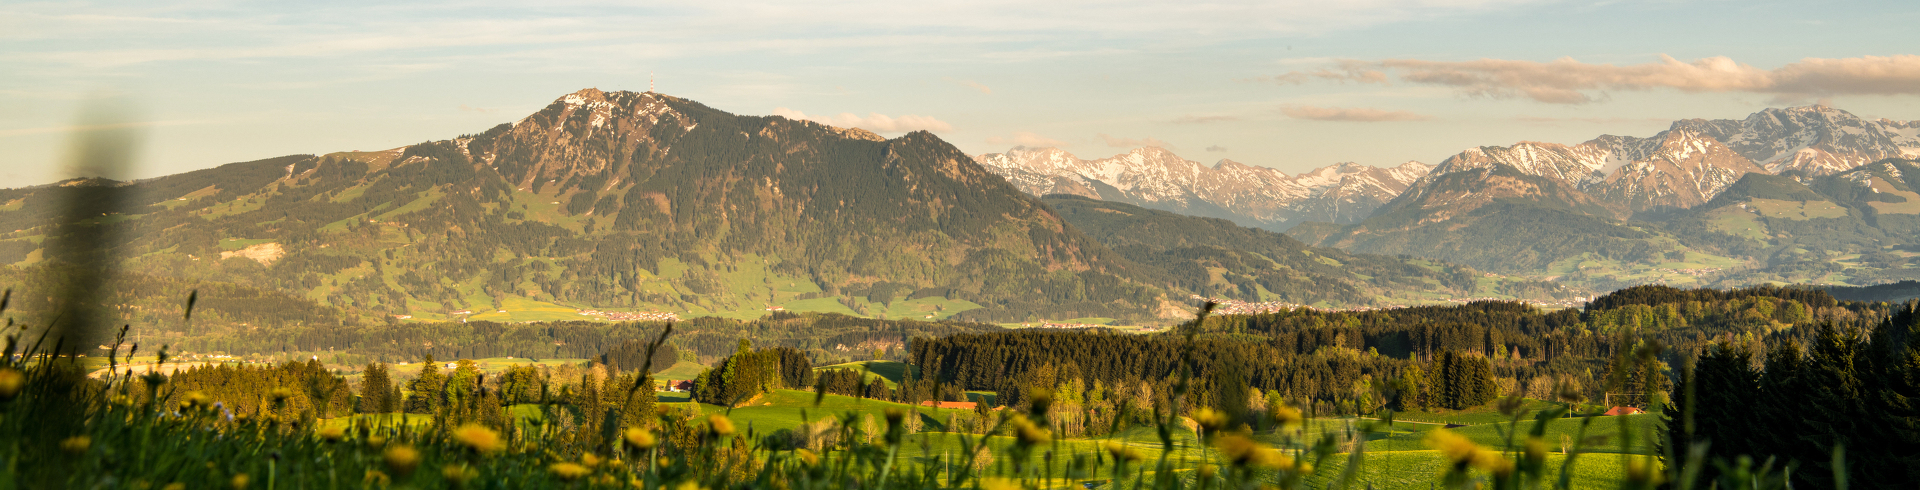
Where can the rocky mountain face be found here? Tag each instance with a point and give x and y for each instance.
(1816, 140)
(1250, 195)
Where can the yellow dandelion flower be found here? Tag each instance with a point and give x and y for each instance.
(280, 395)
(240, 481)
(376, 442)
(808, 457)
(195, 399)
(1458, 449)
(402, 459)
(1492, 462)
(11, 381)
(1243, 451)
(175, 486)
(639, 438)
(1207, 471)
(719, 424)
(591, 460)
(569, 471)
(1029, 433)
(1210, 419)
(687, 485)
(479, 437)
(333, 433)
(1000, 484)
(1286, 416)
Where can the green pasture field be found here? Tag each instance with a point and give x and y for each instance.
(892, 371)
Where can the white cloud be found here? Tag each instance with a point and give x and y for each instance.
(1349, 114)
(1216, 148)
(876, 122)
(1024, 138)
(1568, 81)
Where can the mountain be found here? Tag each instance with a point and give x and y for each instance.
(1816, 140)
(620, 201)
(1620, 210)
(1217, 258)
(1250, 195)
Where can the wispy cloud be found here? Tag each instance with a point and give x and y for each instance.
(1349, 114)
(1024, 138)
(1216, 148)
(875, 121)
(1568, 81)
(1134, 143)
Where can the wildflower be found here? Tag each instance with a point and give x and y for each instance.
(1210, 419)
(11, 380)
(1122, 452)
(76, 444)
(1492, 462)
(240, 481)
(1245, 452)
(333, 433)
(1207, 471)
(280, 395)
(175, 486)
(688, 485)
(479, 437)
(1457, 449)
(402, 459)
(569, 471)
(591, 460)
(1284, 415)
(458, 474)
(719, 424)
(807, 457)
(1030, 434)
(639, 438)
(376, 442)
(195, 399)
(374, 479)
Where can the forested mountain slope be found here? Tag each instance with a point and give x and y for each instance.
(1217, 258)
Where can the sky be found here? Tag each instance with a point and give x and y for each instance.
(1289, 84)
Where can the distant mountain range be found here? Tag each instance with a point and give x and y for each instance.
(1609, 212)
(1249, 195)
(616, 204)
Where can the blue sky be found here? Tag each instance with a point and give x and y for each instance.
(1287, 84)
